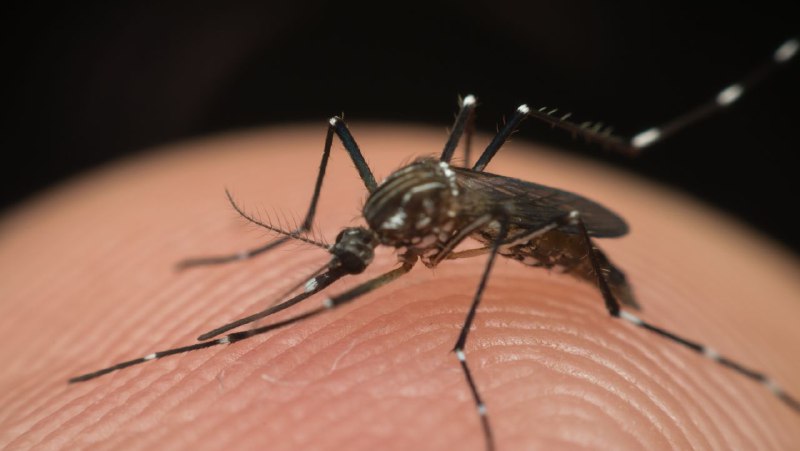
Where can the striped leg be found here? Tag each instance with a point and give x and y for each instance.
(724, 99)
(327, 304)
(613, 307)
(465, 122)
(462, 337)
(600, 134)
(715, 356)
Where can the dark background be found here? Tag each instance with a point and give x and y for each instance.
(88, 84)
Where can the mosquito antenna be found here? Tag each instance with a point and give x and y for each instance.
(271, 227)
(298, 234)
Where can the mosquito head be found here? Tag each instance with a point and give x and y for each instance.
(413, 204)
(355, 248)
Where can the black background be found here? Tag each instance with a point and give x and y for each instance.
(89, 84)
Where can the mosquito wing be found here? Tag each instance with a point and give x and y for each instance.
(532, 205)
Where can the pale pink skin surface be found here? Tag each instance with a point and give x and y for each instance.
(87, 280)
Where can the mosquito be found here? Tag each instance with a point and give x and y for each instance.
(426, 209)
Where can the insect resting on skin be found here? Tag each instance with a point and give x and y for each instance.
(427, 208)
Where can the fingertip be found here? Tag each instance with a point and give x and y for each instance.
(554, 369)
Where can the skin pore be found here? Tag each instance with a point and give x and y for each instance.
(88, 280)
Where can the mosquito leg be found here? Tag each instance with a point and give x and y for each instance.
(600, 134)
(234, 337)
(462, 337)
(499, 242)
(327, 304)
(463, 233)
(724, 98)
(446, 252)
(612, 305)
(336, 126)
(469, 132)
(508, 129)
(468, 253)
(715, 356)
(464, 121)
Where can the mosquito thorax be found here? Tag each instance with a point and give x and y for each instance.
(355, 249)
(415, 205)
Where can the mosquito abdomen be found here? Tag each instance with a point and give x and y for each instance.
(566, 253)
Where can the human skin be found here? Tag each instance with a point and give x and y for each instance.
(87, 279)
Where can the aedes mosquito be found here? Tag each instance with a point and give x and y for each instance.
(425, 209)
